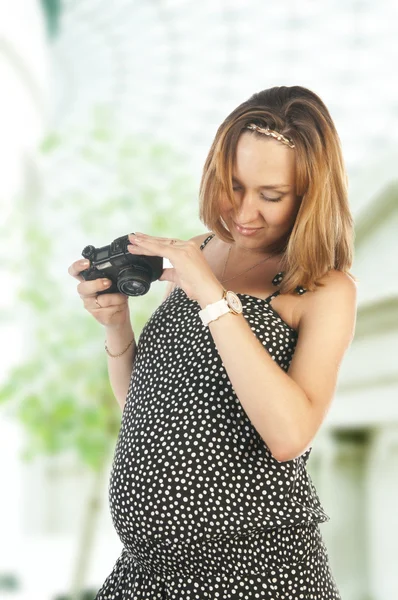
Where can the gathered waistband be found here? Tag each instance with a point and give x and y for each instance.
(266, 563)
(254, 553)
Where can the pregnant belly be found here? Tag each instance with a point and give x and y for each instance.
(179, 493)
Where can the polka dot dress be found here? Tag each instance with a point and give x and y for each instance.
(203, 509)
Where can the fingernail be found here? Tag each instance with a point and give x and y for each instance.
(85, 263)
(106, 282)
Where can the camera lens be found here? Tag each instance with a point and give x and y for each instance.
(134, 281)
(133, 288)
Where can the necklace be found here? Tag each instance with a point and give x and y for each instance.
(225, 265)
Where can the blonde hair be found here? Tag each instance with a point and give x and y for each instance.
(322, 236)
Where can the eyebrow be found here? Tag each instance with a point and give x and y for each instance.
(266, 187)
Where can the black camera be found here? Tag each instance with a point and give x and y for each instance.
(131, 274)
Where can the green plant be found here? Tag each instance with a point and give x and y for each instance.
(60, 392)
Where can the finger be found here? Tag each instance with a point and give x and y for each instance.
(144, 247)
(155, 238)
(142, 250)
(109, 311)
(91, 288)
(154, 248)
(78, 266)
(148, 238)
(95, 304)
(104, 301)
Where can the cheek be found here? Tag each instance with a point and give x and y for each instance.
(288, 219)
(224, 205)
(276, 215)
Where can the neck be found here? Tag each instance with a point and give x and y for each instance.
(249, 266)
(251, 255)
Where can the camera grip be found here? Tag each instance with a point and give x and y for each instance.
(91, 274)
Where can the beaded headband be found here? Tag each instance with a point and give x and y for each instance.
(275, 134)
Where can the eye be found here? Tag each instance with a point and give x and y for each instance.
(271, 199)
(237, 187)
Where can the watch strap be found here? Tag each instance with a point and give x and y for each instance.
(213, 311)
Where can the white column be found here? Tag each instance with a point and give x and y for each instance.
(382, 494)
(337, 471)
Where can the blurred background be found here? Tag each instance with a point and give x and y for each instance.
(108, 110)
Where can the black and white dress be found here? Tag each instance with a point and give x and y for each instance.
(203, 509)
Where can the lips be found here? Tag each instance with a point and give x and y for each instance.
(248, 228)
(245, 230)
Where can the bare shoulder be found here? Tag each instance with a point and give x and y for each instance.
(338, 294)
(199, 239)
(335, 281)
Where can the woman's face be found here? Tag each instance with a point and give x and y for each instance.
(264, 186)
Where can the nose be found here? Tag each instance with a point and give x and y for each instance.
(248, 211)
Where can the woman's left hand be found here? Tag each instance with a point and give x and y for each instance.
(190, 271)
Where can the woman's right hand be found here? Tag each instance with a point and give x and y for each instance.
(114, 311)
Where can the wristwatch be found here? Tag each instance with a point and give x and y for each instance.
(229, 302)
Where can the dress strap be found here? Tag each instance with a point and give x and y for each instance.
(269, 298)
(211, 236)
(276, 281)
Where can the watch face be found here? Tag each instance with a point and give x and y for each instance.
(234, 302)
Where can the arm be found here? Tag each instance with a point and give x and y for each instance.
(287, 409)
(120, 368)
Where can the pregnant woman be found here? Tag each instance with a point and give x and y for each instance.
(235, 371)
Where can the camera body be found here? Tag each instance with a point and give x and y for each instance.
(131, 274)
